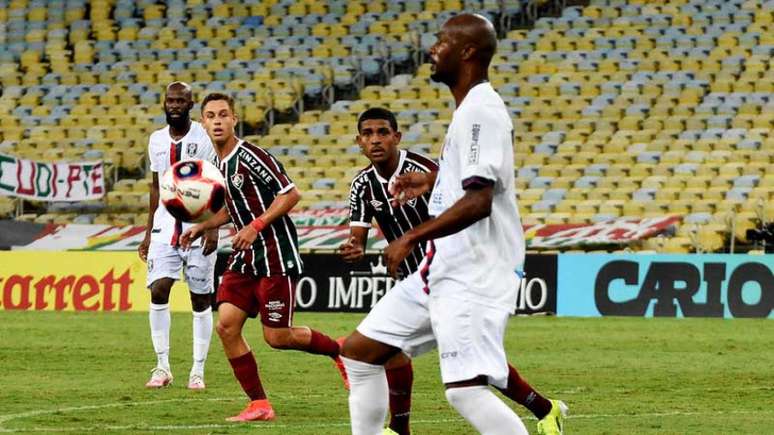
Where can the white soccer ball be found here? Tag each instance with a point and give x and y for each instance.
(192, 190)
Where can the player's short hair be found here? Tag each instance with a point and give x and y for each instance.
(217, 96)
(378, 113)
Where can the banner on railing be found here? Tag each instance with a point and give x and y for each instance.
(44, 181)
(116, 281)
(323, 230)
(612, 232)
(709, 285)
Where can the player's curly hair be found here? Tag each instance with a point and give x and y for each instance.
(378, 113)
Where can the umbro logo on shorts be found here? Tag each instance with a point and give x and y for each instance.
(446, 355)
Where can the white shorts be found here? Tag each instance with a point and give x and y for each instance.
(166, 261)
(469, 335)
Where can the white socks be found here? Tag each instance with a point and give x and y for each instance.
(159, 326)
(488, 414)
(369, 400)
(368, 397)
(160, 322)
(202, 332)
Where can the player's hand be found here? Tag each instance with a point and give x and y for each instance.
(406, 187)
(143, 248)
(244, 238)
(351, 251)
(190, 235)
(210, 241)
(395, 253)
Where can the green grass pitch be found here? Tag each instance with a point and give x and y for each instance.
(84, 373)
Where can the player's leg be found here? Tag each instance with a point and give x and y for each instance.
(400, 321)
(472, 356)
(202, 334)
(164, 265)
(369, 393)
(160, 324)
(400, 377)
(278, 295)
(521, 392)
(199, 270)
(237, 302)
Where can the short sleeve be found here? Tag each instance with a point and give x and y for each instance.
(359, 213)
(155, 164)
(270, 172)
(483, 140)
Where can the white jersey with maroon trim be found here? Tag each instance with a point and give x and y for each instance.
(164, 152)
(485, 256)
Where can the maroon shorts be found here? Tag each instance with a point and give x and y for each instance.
(271, 296)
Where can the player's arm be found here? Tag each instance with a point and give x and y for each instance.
(281, 206)
(411, 185)
(353, 249)
(483, 140)
(475, 204)
(209, 226)
(360, 218)
(153, 203)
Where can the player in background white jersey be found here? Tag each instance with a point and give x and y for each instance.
(181, 139)
(475, 250)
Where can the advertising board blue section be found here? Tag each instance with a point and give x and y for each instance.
(712, 285)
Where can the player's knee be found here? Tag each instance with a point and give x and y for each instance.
(278, 338)
(160, 291)
(200, 303)
(227, 331)
(361, 348)
(349, 349)
(399, 360)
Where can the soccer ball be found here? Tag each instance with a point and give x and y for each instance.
(192, 190)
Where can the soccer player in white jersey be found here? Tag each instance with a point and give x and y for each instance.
(181, 139)
(475, 246)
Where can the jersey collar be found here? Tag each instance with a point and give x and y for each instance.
(188, 133)
(236, 147)
(401, 159)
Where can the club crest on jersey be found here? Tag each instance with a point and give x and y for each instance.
(191, 149)
(237, 180)
(376, 204)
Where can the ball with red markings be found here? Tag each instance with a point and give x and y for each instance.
(192, 190)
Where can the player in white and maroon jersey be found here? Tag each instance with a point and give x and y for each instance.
(475, 249)
(265, 265)
(181, 139)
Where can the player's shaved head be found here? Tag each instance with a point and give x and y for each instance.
(464, 48)
(180, 87)
(476, 31)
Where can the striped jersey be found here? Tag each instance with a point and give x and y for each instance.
(163, 152)
(253, 179)
(369, 199)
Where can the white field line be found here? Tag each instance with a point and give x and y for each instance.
(259, 426)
